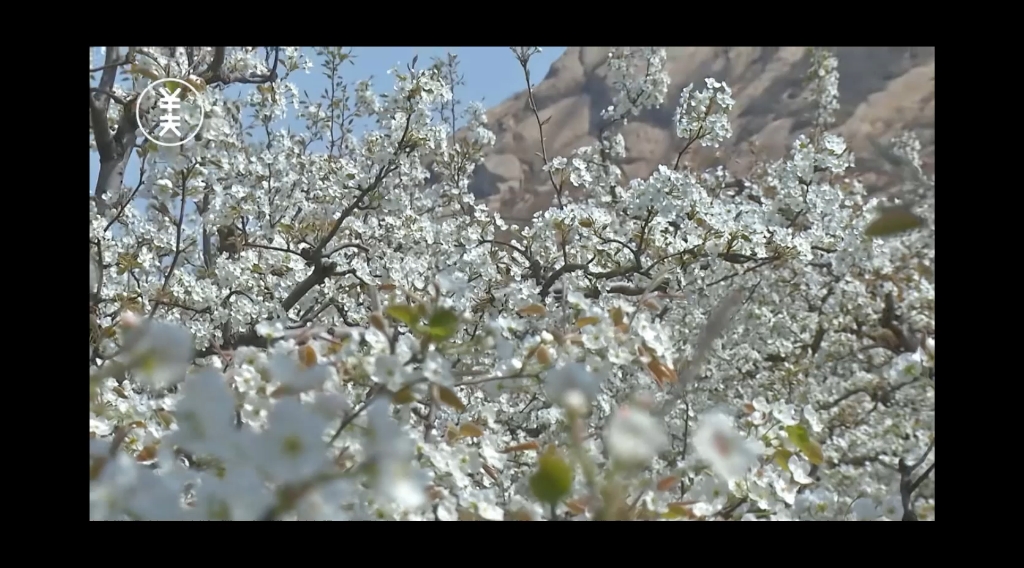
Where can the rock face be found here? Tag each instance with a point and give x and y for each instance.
(883, 90)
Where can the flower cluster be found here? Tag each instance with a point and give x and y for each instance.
(317, 325)
(639, 80)
(704, 115)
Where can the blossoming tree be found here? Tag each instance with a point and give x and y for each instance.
(317, 325)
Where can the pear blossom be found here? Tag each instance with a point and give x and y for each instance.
(291, 448)
(634, 437)
(205, 416)
(296, 377)
(158, 352)
(711, 494)
(865, 509)
(908, 365)
(892, 508)
(716, 440)
(800, 470)
(569, 378)
(389, 452)
(786, 414)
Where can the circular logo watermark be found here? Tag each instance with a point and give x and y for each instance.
(164, 116)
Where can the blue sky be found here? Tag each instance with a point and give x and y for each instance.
(491, 75)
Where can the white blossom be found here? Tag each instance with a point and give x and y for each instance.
(634, 437)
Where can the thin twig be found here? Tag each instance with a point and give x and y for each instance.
(348, 419)
(523, 56)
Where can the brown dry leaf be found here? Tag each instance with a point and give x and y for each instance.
(530, 354)
(623, 327)
(470, 430)
(667, 483)
(166, 418)
(307, 356)
(387, 287)
(451, 399)
(434, 493)
(451, 433)
(532, 445)
(119, 392)
(669, 373)
(577, 506)
(467, 515)
(147, 453)
(197, 83)
(137, 69)
(574, 339)
(543, 355)
(283, 391)
(378, 323)
(662, 374)
(403, 396)
(532, 310)
(490, 471)
(618, 317)
(651, 305)
(749, 408)
(519, 515)
(585, 321)
(334, 347)
(893, 220)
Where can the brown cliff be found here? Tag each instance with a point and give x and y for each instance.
(883, 90)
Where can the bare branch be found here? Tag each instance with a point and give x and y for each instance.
(177, 243)
(523, 56)
(114, 150)
(908, 484)
(216, 73)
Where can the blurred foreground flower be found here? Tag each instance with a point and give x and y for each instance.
(391, 456)
(633, 437)
(730, 454)
(158, 353)
(564, 385)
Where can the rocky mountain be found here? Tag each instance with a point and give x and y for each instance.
(883, 90)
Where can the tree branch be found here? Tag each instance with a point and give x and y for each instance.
(523, 57)
(215, 72)
(114, 150)
(908, 484)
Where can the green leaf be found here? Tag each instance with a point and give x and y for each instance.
(404, 313)
(808, 447)
(781, 458)
(553, 478)
(893, 220)
(442, 325)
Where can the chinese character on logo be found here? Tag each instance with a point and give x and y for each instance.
(165, 117)
(169, 104)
